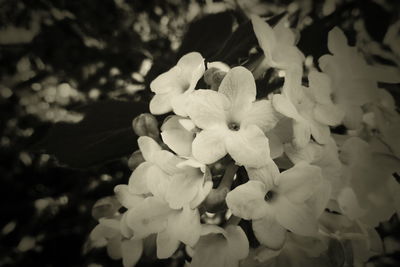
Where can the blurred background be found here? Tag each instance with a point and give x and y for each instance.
(65, 60)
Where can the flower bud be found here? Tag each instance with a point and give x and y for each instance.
(105, 207)
(135, 160)
(213, 77)
(146, 125)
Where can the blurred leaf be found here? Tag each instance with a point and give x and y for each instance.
(240, 42)
(377, 20)
(104, 134)
(207, 34)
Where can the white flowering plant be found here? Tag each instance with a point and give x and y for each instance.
(236, 176)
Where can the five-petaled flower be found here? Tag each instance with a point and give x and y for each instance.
(275, 204)
(231, 121)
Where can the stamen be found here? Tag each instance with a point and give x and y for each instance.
(269, 196)
(233, 126)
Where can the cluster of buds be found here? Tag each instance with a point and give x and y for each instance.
(225, 157)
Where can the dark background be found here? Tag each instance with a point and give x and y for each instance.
(62, 59)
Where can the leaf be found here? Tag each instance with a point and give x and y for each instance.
(240, 42)
(207, 34)
(377, 20)
(104, 134)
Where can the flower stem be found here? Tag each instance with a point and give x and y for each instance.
(215, 201)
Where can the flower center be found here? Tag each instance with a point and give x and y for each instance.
(234, 126)
(270, 195)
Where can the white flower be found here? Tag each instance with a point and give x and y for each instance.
(295, 104)
(354, 82)
(298, 251)
(154, 215)
(146, 198)
(159, 165)
(220, 247)
(108, 232)
(172, 226)
(324, 110)
(324, 156)
(369, 175)
(278, 44)
(231, 121)
(275, 204)
(384, 118)
(172, 87)
(191, 186)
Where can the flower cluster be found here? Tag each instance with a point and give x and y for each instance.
(228, 164)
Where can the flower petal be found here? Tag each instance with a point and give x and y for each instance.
(167, 161)
(248, 146)
(114, 248)
(301, 133)
(176, 137)
(261, 114)
(185, 226)
(184, 188)
(208, 145)
(299, 182)
(319, 200)
(131, 252)
(320, 87)
(349, 205)
(180, 103)
(205, 189)
(138, 181)
(148, 218)
(310, 153)
(287, 57)
(297, 218)
(353, 117)
(320, 132)
(192, 67)
(207, 108)
(161, 103)
(283, 105)
(238, 245)
(210, 251)
(125, 197)
(148, 147)
(328, 114)
(239, 87)
(264, 254)
(265, 36)
(275, 144)
(266, 174)
(268, 231)
(169, 81)
(158, 182)
(283, 33)
(247, 200)
(337, 41)
(101, 233)
(166, 245)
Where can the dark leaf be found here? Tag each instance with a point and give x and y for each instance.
(240, 42)
(207, 34)
(105, 133)
(313, 39)
(376, 18)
